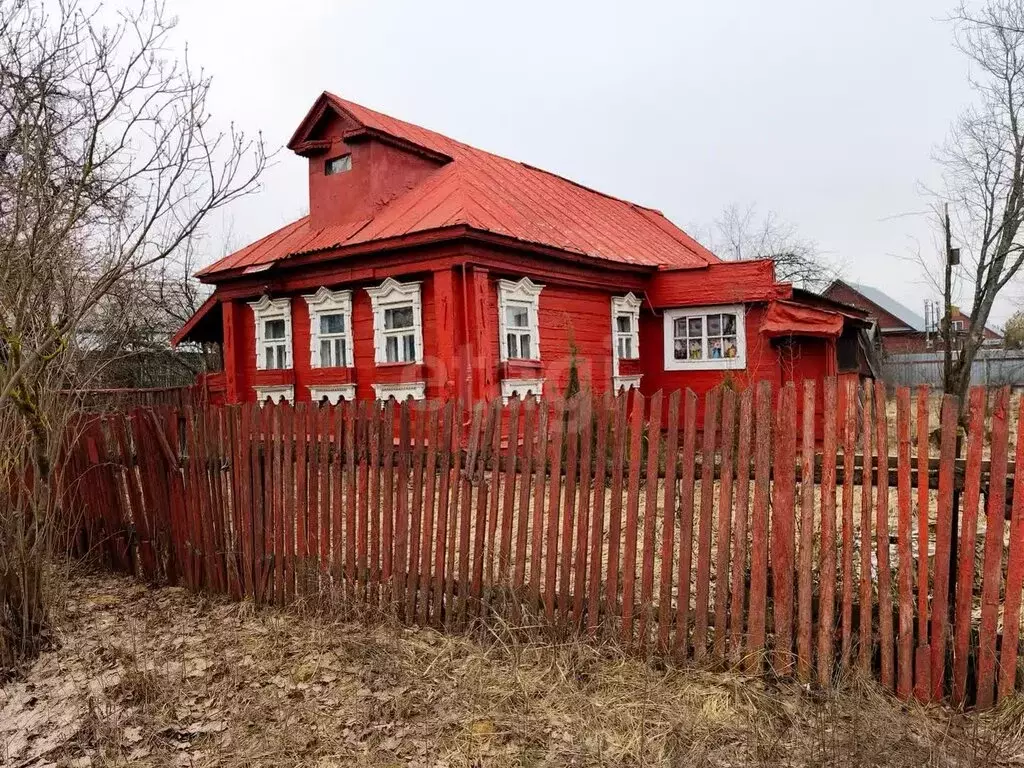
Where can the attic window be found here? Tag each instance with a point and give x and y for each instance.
(338, 165)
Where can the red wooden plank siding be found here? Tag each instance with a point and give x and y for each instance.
(707, 494)
(668, 521)
(597, 525)
(615, 514)
(865, 644)
(968, 538)
(681, 643)
(724, 524)
(905, 668)
(1014, 572)
(804, 652)
(943, 532)
(759, 530)
(993, 563)
(565, 551)
(554, 504)
(922, 655)
(783, 525)
(849, 421)
(579, 591)
(739, 532)
(827, 573)
(885, 628)
(650, 516)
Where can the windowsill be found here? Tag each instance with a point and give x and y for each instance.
(722, 364)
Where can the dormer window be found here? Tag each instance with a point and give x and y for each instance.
(338, 165)
(330, 329)
(273, 333)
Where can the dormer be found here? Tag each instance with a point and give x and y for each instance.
(355, 168)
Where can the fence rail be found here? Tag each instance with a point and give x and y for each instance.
(586, 517)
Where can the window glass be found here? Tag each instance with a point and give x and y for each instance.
(332, 323)
(517, 317)
(711, 336)
(273, 329)
(338, 165)
(624, 323)
(398, 317)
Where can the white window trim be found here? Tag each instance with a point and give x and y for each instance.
(327, 302)
(524, 292)
(265, 309)
(333, 393)
(625, 305)
(626, 382)
(723, 364)
(523, 386)
(277, 393)
(401, 391)
(392, 294)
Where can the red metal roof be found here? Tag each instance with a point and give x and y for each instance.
(487, 193)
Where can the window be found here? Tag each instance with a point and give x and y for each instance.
(399, 335)
(338, 165)
(625, 338)
(958, 326)
(518, 319)
(397, 322)
(273, 333)
(330, 333)
(705, 338)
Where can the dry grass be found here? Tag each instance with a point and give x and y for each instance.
(162, 677)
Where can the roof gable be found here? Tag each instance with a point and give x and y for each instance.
(482, 191)
(910, 319)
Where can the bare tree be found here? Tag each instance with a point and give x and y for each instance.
(109, 165)
(740, 234)
(983, 172)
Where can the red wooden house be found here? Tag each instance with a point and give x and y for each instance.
(429, 268)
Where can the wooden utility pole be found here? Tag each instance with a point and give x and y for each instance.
(947, 309)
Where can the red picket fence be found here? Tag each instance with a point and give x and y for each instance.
(747, 545)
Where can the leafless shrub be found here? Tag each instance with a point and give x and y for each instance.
(109, 164)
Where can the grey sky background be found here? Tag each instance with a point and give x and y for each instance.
(827, 114)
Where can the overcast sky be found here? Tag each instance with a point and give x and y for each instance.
(827, 114)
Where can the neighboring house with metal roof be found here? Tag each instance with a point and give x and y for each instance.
(429, 268)
(902, 330)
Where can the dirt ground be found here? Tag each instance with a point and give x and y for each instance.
(162, 677)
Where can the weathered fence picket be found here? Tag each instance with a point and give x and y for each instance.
(597, 515)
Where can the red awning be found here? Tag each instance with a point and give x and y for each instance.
(786, 318)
